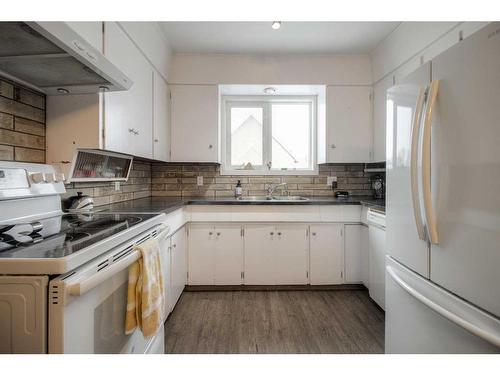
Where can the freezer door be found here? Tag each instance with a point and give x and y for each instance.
(420, 317)
(465, 168)
(23, 314)
(405, 228)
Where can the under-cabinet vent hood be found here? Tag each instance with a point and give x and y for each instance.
(52, 58)
(98, 165)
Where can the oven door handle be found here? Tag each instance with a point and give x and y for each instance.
(81, 287)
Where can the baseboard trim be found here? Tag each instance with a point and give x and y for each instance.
(224, 288)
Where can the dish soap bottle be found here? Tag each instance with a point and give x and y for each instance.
(238, 191)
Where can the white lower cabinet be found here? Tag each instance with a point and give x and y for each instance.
(276, 254)
(228, 262)
(201, 246)
(178, 264)
(290, 254)
(326, 254)
(354, 253)
(377, 264)
(259, 255)
(215, 254)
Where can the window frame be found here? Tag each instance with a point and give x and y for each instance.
(265, 102)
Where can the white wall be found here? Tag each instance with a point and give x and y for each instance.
(279, 69)
(152, 41)
(414, 43)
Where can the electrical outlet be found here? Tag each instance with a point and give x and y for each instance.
(330, 180)
(199, 180)
(117, 185)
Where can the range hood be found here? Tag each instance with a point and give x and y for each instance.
(52, 58)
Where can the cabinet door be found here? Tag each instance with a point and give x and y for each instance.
(290, 254)
(365, 259)
(194, 115)
(90, 31)
(354, 254)
(128, 115)
(326, 261)
(377, 265)
(166, 268)
(178, 265)
(201, 247)
(379, 117)
(161, 120)
(228, 255)
(348, 118)
(260, 241)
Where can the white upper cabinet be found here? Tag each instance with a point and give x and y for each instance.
(90, 31)
(194, 122)
(379, 117)
(161, 120)
(348, 119)
(128, 115)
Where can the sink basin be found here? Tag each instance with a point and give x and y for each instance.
(255, 198)
(276, 198)
(290, 198)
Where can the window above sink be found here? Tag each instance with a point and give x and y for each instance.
(269, 129)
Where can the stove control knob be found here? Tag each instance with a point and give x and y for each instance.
(60, 177)
(50, 177)
(37, 178)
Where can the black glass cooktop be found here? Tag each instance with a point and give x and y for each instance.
(64, 235)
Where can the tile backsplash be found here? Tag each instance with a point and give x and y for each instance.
(179, 180)
(22, 124)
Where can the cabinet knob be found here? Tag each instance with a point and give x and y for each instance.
(279, 233)
(272, 233)
(333, 146)
(313, 233)
(210, 147)
(156, 140)
(174, 245)
(210, 233)
(218, 233)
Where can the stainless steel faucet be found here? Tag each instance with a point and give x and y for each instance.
(271, 189)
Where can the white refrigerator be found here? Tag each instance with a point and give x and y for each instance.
(443, 202)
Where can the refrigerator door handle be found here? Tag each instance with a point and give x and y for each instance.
(490, 335)
(426, 164)
(417, 120)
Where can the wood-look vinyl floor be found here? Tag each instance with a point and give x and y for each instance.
(273, 322)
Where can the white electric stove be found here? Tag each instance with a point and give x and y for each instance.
(63, 276)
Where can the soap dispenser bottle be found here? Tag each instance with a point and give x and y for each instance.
(238, 191)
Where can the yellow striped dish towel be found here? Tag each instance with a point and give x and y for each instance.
(145, 294)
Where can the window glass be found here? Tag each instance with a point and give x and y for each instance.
(246, 136)
(291, 136)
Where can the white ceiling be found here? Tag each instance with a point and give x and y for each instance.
(291, 38)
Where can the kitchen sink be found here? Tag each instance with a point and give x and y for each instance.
(290, 198)
(284, 198)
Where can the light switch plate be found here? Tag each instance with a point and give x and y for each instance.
(117, 185)
(330, 180)
(199, 180)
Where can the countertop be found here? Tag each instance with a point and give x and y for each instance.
(167, 205)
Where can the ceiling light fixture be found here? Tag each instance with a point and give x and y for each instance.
(270, 90)
(276, 25)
